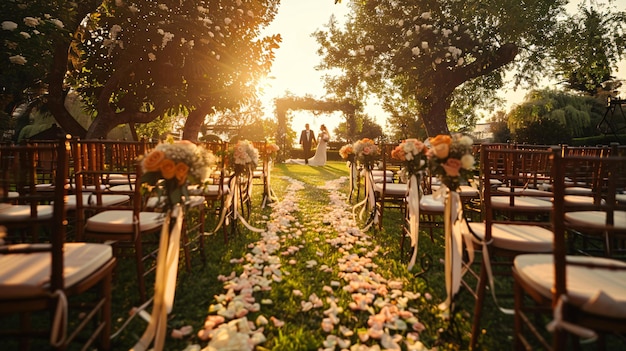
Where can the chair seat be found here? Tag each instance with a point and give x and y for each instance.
(121, 221)
(18, 213)
(596, 219)
(573, 200)
(392, 189)
(597, 291)
(620, 198)
(516, 237)
(468, 191)
(122, 188)
(428, 203)
(81, 260)
(210, 190)
(107, 200)
(526, 191)
(120, 179)
(522, 203)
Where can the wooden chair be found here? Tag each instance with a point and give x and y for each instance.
(55, 290)
(585, 295)
(515, 220)
(128, 226)
(390, 190)
(215, 192)
(22, 185)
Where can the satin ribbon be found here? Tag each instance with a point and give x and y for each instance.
(58, 332)
(413, 206)
(369, 202)
(353, 177)
(231, 203)
(165, 282)
(559, 323)
(453, 231)
(268, 193)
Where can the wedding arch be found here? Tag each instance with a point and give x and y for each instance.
(286, 104)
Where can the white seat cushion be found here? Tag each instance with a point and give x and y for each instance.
(80, 261)
(428, 203)
(17, 213)
(468, 191)
(124, 188)
(527, 203)
(107, 200)
(393, 189)
(121, 221)
(516, 237)
(526, 191)
(599, 291)
(596, 219)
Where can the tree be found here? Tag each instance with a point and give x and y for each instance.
(191, 58)
(590, 44)
(425, 50)
(499, 128)
(553, 117)
(36, 37)
(366, 127)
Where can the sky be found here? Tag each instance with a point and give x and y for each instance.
(294, 66)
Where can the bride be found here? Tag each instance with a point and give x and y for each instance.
(319, 159)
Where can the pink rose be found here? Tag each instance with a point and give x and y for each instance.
(452, 167)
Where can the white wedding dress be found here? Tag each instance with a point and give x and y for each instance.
(319, 159)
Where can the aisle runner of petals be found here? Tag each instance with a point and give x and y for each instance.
(392, 312)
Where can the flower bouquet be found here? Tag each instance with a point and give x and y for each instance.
(244, 155)
(366, 152)
(451, 159)
(347, 152)
(412, 153)
(177, 164)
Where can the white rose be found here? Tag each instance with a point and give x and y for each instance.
(467, 161)
(18, 59)
(9, 25)
(31, 21)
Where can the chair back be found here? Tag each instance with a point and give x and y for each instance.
(515, 185)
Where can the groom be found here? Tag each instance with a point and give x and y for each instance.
(307, 138)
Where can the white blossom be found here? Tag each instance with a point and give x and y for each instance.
(133, 8)
(426, 15)
(227, 21)
(250, 13)
(31, 21)
(167, 37)
(238, 2)
(424, 45)
(25, 35)
(57, 22)
(369, 47)
(9, 25)
(151, 56)
(18, 59)
(115, 30)
(163, 7)
(460, 62)
(415, 51)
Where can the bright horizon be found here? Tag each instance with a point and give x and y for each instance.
(294, 71)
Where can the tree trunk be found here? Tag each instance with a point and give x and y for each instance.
(438, 102)
(57, 93)
(194, 122)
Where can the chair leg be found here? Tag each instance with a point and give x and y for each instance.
(141, 282)
(106, 289)
(518, 293)
(478, 308)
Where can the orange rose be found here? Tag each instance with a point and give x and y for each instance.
(441, 145)
(398, 153)
(152, 161)
(181, 171)
(168, 168)
(452, 167)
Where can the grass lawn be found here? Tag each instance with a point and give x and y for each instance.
(312, 258)
(196, 290)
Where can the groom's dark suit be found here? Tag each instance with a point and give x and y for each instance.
(306, 140)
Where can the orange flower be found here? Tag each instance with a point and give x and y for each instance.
(452, 167)
(168, 168)
(398, 153)
(152, 161)
(441, 145)
(181, 171)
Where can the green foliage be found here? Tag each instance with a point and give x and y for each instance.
(588, 47)
(549, 116)
(434, 52)
(166, 59)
